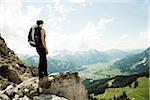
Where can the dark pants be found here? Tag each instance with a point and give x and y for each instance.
(42, 62)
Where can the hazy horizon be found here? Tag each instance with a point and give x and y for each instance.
(53, 52)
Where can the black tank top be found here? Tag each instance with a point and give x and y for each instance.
(37, 37)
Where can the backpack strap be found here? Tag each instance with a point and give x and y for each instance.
(33, 31)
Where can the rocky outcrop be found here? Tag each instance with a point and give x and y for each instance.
(19, 81)
(10, 74)
(3, 48)
(11, 67)
(66, 86)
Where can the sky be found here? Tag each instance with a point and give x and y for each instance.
(76, 25)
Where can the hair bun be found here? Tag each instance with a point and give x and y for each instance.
(39, 22)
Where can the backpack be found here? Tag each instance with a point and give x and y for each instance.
(31, 36)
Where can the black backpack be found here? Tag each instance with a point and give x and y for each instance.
(33, 36)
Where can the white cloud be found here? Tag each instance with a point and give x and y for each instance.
(125, 36)
(92, 28)
(83, 3)
(16, 36)
(57, 13)
(16, 24)
(16, 21)
(138, 41)
(77, 1)
(61, 8)
(33, 13)
(89, 37)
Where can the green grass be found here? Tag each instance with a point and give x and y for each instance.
(139, 93)
(110, 72)
(91, 70)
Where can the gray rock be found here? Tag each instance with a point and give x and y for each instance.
(68, 85)
(1, 92)
(4, 97)
(50, 97)
(26, 90)
(5, 84)
(16, 97)
(36, 98)
(25, 98)
(28, 87)
(9, 90)
(10, 74)
(3, 47)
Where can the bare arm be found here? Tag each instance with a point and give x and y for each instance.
(43, 40)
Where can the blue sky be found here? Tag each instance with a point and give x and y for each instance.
(77, 25)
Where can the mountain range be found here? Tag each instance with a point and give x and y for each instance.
(66, 60)
(134, 63)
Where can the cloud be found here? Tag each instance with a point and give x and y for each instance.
(88, 37)
(94, 29)
(61, 8)
(33, 13)
(83, 3)
(15, 24)
(57, 13)
(16, 20)
(77, 1)
(140, 40)
(125, 36)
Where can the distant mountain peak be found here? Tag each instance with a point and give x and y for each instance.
(93, 51)
(114, 50)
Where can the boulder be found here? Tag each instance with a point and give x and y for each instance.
(10, 74)
(67, 85)
(4, 97)
(3, 47)
(9, 90)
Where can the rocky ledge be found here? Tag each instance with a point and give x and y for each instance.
(64, 86)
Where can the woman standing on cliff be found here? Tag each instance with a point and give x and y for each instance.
(41, 48)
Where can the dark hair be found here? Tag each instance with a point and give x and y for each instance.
(39, 22)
